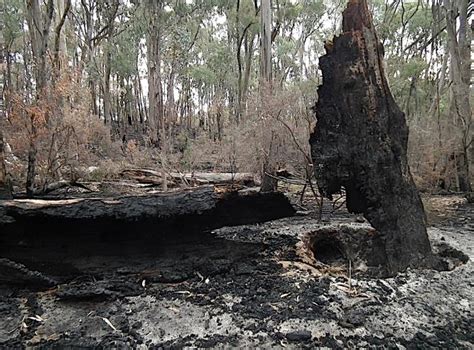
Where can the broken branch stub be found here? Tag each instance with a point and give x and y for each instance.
(360, 142)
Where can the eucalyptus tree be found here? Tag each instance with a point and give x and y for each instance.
(246, 20)
(186, 46)
(459, 44)
(5, 191)
(269, 183)
(14, 75)
(96, 23)
(154, 12)
(110, 13)
(39, 28)
(12, 47)
(129, 109)
(167, 71)
(266, 42)
(421, 57)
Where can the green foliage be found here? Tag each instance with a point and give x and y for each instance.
(202, 43)
(202, 75)
(12, 23)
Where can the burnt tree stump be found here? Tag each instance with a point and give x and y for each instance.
(360, 143)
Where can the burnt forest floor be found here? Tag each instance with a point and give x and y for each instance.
(247, 286)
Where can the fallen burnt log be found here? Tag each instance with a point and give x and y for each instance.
(39, 232)
(145, 176)
(360, 143)
(195, 178)
(216, 208)
(200, 178)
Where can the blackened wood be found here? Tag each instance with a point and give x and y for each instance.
(229, 208)
(18, 274)
(33, 231)
(360, 142)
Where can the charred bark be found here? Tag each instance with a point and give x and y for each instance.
(33, 231)
(196, 178)
(360, 142)
(202, 206)
(18, 274)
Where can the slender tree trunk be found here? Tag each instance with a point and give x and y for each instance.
(248, 69)
(93, 94)
(459, 44)
(5, 191)
(87, 55)
(141, 103)
(266, 42)
(238, 41)
(60, 52)
(269, 182)
(7, 76)
(39, 27)
(155, 93)
(107, 96)
(170, 103)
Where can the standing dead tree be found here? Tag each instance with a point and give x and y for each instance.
(360, 144)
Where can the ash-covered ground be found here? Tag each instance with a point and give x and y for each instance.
(247, 286)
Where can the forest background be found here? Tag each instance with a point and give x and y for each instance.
(92, 87)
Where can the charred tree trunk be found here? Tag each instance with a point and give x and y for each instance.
(204, 207)
(360, 143)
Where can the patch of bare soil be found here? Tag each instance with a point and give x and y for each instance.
(245, 286)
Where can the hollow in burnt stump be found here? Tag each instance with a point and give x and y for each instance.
(360, 142)
(343, 247)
